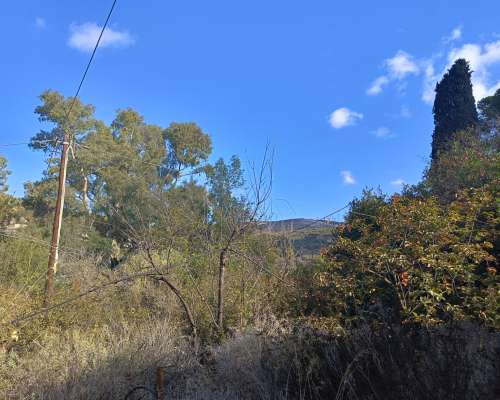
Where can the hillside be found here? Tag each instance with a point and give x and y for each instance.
(308, 236)
(295, 224)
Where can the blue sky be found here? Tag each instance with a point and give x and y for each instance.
(341, 89)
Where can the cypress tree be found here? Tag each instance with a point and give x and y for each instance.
(454, 107)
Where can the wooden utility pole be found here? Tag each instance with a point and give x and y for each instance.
(56, 227)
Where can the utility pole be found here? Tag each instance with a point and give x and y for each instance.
(56, 227)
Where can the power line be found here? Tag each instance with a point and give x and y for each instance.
(56, 227)
(91, 58)
(13, 144)
(103, 153)
(68, 250)
(318, 220)
(25, 143)
(85, 72)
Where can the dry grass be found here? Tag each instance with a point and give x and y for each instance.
(103, 364)
(106, 344)
(272, 364)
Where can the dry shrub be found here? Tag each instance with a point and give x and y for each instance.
(459, 362)
(448, 362)
(102, 364)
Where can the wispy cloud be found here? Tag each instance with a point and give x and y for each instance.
(347, 177)
(397, 69)
(377, 85)
(84, 37)
(481, 56)
(429, 83)
(40, 23)
(382, 132)
(456, 34)
(343, 117)
(398, 182)
(401, 65)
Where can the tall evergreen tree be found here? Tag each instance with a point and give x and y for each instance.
(454, 107)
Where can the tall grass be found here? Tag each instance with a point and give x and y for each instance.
(460, 362)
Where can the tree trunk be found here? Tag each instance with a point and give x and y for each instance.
(220, 306)
(242, 301)
(85, 193)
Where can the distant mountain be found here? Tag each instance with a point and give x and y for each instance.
(308, 236)
(294, 224)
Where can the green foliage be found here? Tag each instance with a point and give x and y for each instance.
(224, 180)
(54, 110)
(40, 198)
(24, 262)
(454, 106)
(365, 209)
(309, 242)
(489, 107)
(9, 207)
(4, 173)
(188, 146)
(426, 263)
(469, 162)
(134, 202)
(119, 175)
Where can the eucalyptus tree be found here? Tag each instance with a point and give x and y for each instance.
(60, 114)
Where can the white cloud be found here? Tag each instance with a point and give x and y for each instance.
(40, 23)
(430, 79)
(84, 37)
(398, 182)
(456, 34)
(382, 132)
(398, 68)
(347, 177)
(377, 85)
(343, 117)
(481, 58)
(402, 64)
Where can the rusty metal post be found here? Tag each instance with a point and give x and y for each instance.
(160, 383)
